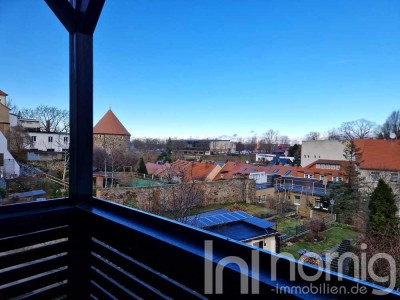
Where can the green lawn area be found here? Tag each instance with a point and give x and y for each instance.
(284, 224)
(254, 210)
(333, 236)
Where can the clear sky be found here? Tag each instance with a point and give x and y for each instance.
(208, 68)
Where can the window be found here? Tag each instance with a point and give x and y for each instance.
(317, 203)
(394, 177)
(258, 244)
(322, 177)
(65, 139)
(337, 179)
(33, 138)
(318, 166)
(308, 176)
(50, 150)
(50, 139)
(297, 200)
(374, 176)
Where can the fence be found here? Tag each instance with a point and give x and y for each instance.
(299, 230)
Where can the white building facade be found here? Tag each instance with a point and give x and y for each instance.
(49, 141)
(9, 167)
(311, 151)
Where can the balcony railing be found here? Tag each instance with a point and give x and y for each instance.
(101, 250)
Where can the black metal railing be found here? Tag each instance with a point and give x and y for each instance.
(102, 250)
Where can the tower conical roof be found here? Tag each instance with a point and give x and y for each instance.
(109, 124)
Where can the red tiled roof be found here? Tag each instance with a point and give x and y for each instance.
(2, 93)
(109, 124)
(379, 154)
(185, 170)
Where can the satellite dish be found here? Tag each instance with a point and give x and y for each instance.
(392, 135)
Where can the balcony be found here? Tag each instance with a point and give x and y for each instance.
(101, 250)
(86, 248)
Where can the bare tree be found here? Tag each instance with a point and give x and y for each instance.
(12, 106)
(358, 129)
(313, 136)
(27, 113)
(113, 160)
(283, 139)
(334, 135)
(270, 138)
(280, 203)
(18, 139)
(316, 227)
(177, 200)
(56, 118)
(391, 128)
(381, 242)
(150, 144)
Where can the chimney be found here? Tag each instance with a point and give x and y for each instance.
(47, 125)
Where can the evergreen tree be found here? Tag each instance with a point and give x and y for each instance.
(165, 156)
(347, 194)
(142, 167)
(169, 143)
(383, 210)
(295, 151)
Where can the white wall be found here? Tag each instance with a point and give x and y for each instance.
(220, 146)
(313, 150)
(11, 167)
(42, 141)
(3, 100)
(269, 243)
(259, 177)
(13, 120)
(29, 123)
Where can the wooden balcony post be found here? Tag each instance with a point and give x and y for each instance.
(79, 17)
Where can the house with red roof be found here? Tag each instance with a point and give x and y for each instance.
(183, 171)
(379, 159)
(110, 134)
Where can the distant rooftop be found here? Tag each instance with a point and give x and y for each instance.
(109, 124)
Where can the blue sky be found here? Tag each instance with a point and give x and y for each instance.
(208, 68)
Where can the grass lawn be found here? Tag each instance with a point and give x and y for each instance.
(284, 224)
(333, 236)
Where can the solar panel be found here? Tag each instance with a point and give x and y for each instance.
(242, 214)
(287, 173)
(244, 169)
(259, 222)
(224, 218)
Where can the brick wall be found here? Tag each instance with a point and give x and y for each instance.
(226, 191)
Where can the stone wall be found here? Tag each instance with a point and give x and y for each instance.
(227, 191)
(111, 142)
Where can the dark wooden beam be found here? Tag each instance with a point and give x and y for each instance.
(79, 17)
(81, 116)
(90, 13)
(65, 13)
